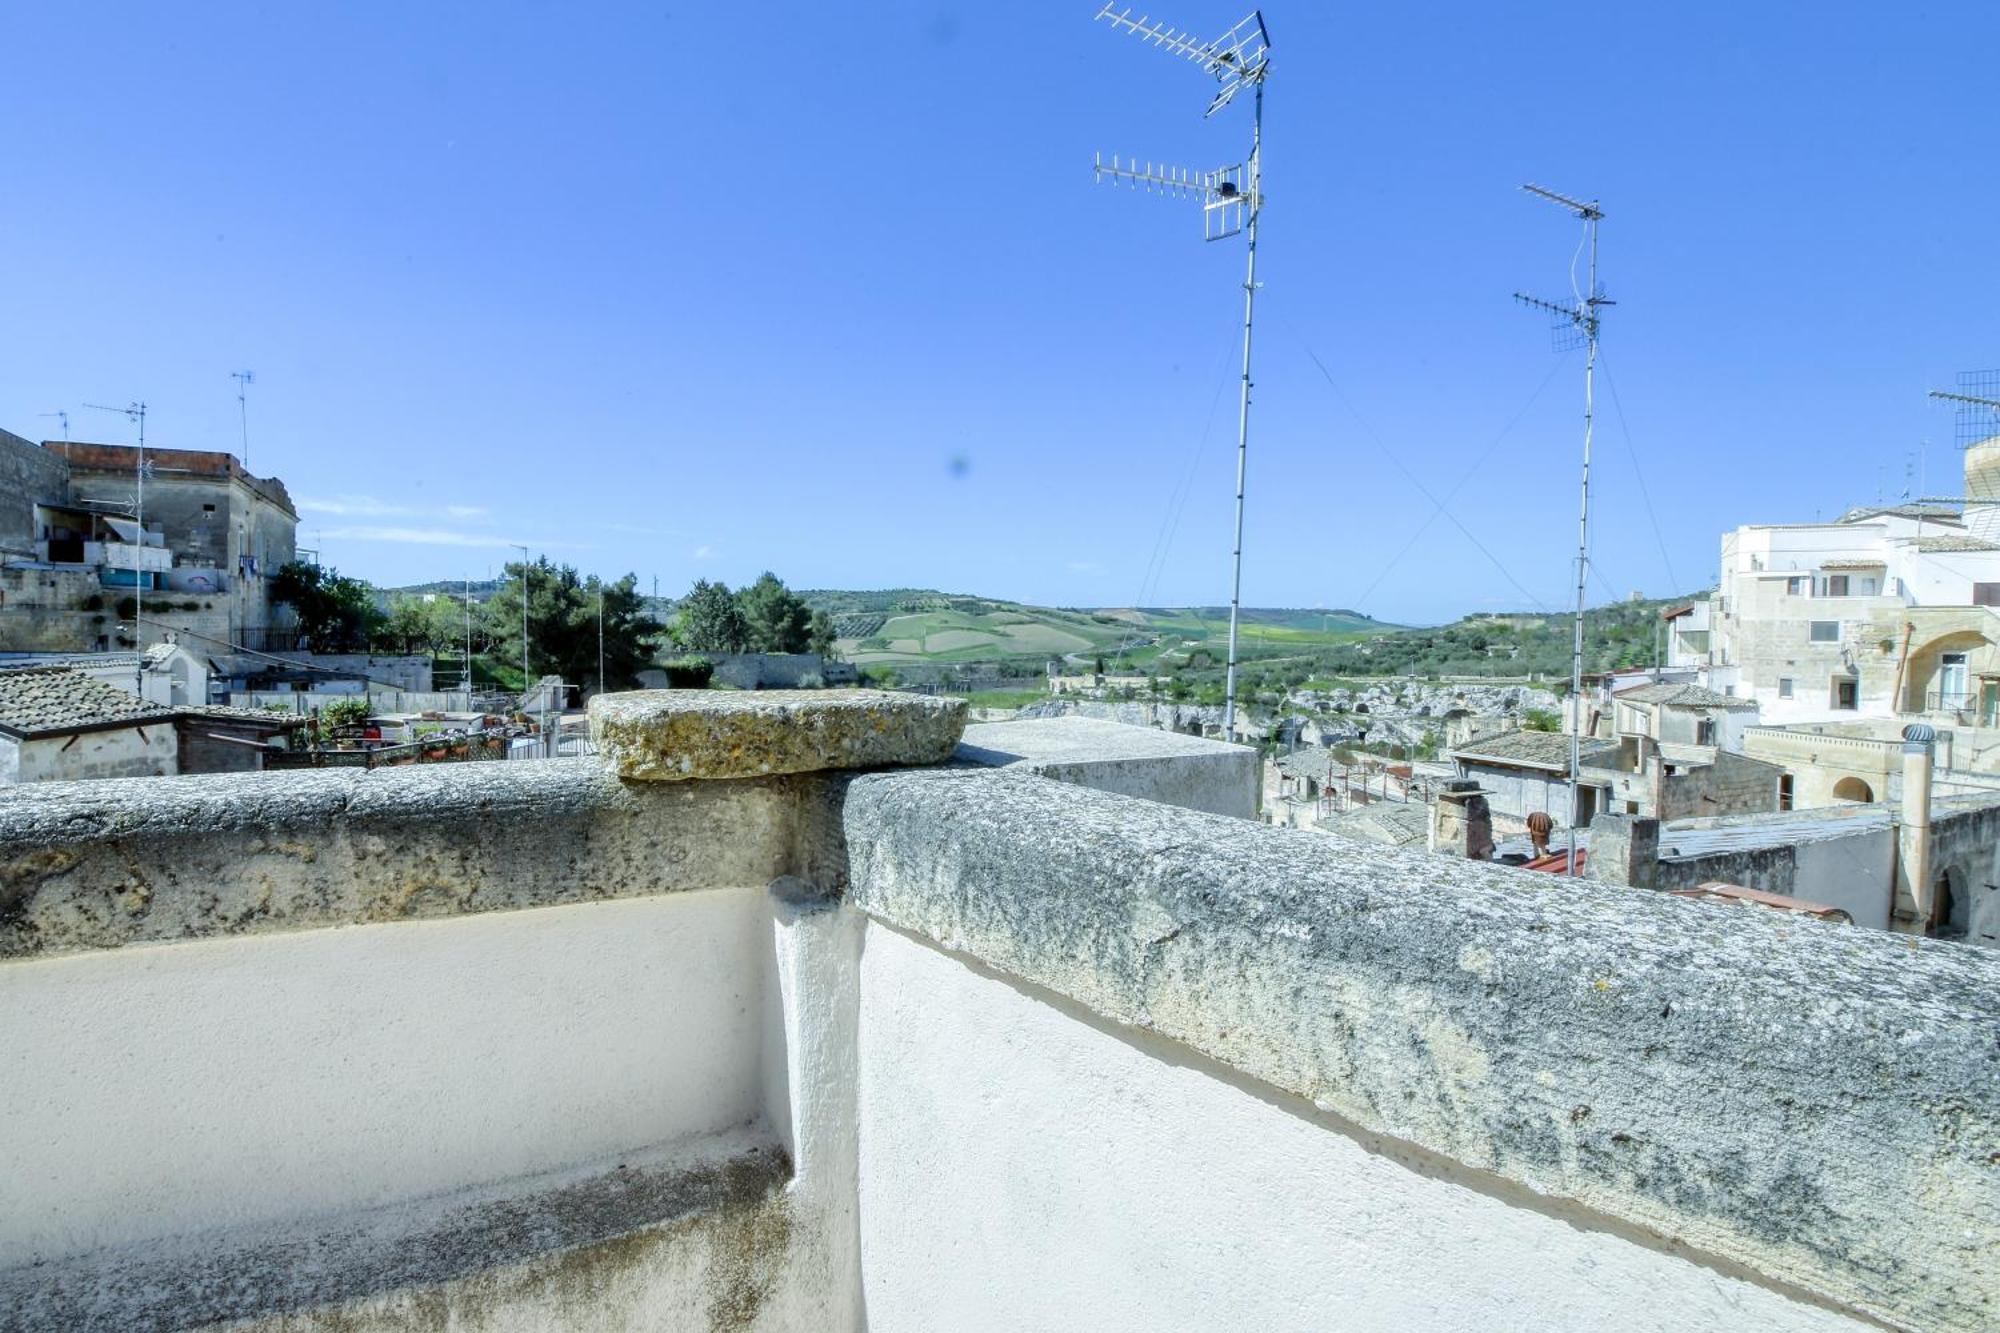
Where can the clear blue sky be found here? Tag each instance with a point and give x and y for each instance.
(699, 290)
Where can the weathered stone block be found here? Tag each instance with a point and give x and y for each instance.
(678, 735)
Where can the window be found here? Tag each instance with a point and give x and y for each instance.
(1704, 731)
(1846, 694)
(1986, 594)
(1795, 587)
(1784, 687)
(1826, 631)
(1784, 791)
(1836, 585)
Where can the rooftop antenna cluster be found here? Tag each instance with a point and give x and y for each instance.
(1231, 199)
(1576, 324)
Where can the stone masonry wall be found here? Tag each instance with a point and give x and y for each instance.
(29, 475)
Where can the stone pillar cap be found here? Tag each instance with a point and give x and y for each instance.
(683, 735)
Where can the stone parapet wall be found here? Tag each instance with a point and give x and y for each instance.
(741, 1025)
(1816, 1105)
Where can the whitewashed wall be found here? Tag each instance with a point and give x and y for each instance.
(1026, 1166)
(242, 1082)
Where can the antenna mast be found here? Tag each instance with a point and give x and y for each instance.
(1231, 199)
(1577, 322)
(244, 378)
(136, 412)
(64, 418)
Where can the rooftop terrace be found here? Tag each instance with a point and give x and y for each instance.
(777, 1015)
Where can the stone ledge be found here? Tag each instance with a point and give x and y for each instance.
(99, 865)
(531, 1243)
(683, 735)
(1818, 1103)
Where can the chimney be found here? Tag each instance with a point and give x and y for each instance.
(1624, 849)
(1461, 824)
(1912, 893)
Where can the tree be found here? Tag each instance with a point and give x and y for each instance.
(433, 626)
(822, 634)
(710, 620)
(563, 613)
(335, 613)
(778, 620)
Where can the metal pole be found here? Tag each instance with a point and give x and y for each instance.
(1243, 411)
(1582, 552)
(600, 637)
(524, 620)
(139, 591)
(468, 645)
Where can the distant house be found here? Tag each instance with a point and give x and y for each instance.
(60, 725)
(57, 724)
(1528, 771)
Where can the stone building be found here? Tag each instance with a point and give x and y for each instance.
(1528, 771)
(63, 725)
(74, 561)
(772, 1017)
(1885, 616)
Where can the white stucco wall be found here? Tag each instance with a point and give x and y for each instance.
(1022, 1167)
(1856, 874)
(154, 1090)
(122, 752)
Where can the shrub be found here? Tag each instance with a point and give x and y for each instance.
(349, 711)
(127, 607)
(812, 680)
(94, 602)
(190, 606)
(1541, 719)
(688, 673)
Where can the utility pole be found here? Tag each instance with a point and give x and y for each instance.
(468, 645)
(243, 379)
(1577, 320)
(526, 684)
(136, 412)
(1232, 199)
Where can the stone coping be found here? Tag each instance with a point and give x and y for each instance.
(96, 865)
(679, 735)
(564, 1227)
(1818, 1103)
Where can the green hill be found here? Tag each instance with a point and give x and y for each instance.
(911, 625)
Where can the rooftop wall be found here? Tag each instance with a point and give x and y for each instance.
(702, 1034)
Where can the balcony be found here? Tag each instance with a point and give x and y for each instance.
(1964, 707)
(767, 1018)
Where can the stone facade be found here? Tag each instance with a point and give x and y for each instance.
(214, 536)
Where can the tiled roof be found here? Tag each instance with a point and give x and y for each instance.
(223, 712)
(1394, 824)
(1684, 696)
(1952, 542)
(1531, 749)
(51, 701)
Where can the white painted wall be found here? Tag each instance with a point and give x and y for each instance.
(1022, 1167)
(150, 1091)
(122, 752)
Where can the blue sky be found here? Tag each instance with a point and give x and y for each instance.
(696, 291)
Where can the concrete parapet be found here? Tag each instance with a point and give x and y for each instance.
(1196, 774)
(1809, 1103)
(677, 735)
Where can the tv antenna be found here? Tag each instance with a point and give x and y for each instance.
(1231, 199)
(137, 412)
(244, 379)
(1978, 404)
(1573, 325)
(64, 418)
